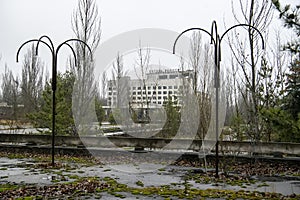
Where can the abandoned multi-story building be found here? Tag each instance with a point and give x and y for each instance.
(158, 87)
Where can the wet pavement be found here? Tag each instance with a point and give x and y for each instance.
(21, 171)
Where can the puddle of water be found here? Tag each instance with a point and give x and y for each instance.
(7, 161)
(152, 178)
(137, 168)
(285, 188)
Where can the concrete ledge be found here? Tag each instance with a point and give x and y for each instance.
(152, 143)
(102, 153)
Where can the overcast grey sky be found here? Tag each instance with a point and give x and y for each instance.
(21, 20)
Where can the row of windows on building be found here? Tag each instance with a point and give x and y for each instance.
(150, 98)
(171, 76)
(138, 100)
(170, 87)
(148, 93)
(154, 98)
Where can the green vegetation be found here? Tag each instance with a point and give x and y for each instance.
(96, 186)
(140, 183)
(173, 119)
(284, 117)
(8, 186)
(233, 180)
(64, 117)
(63, 161)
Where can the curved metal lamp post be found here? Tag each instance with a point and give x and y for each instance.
(54, 53)
(216, 41)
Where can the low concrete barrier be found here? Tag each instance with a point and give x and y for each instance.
(152, 143)
(261, 147)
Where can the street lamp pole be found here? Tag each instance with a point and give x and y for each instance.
(54, 53)
(216, 41)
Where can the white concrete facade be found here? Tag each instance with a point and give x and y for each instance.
(158, 86)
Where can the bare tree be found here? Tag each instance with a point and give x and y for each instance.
(119, 89)
(247, 54)
(278, 59)
(205, 90)
(86, 26)
(103, 85)
(118, 72)
(200, 60)
(189, 103)
(32, 81)
(11, 93)
(141, 68)
(271, 88)
(258, 77)
(195, 57)
(238, 102)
